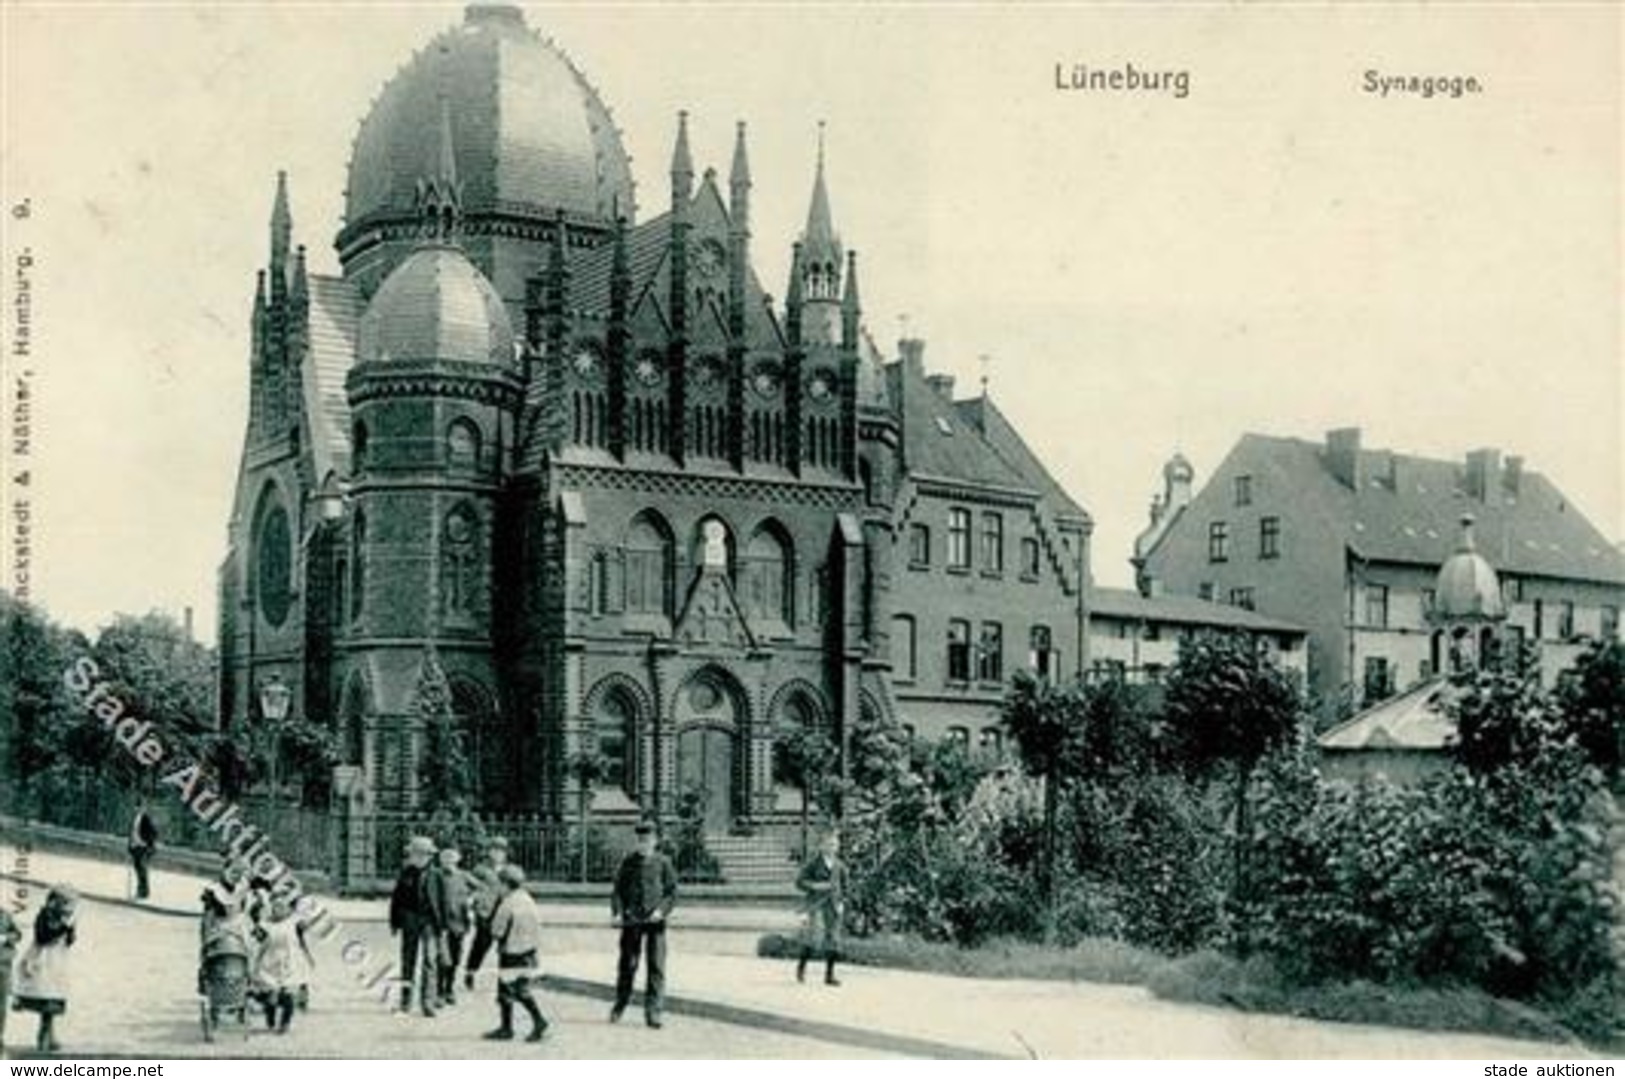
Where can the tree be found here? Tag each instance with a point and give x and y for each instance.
(161, 675)
(1227, 704)
(1045, 722)
(1591, 705)
(1501, 714)
(805, 757)
(445, 777)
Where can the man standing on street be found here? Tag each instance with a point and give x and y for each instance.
(417, 913)
(645, 892)
(823, 881)
(143, 845)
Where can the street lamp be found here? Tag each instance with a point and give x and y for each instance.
(275, 696)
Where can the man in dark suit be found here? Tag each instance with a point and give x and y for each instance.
(417, 911)
(645, 892)
(143, 845)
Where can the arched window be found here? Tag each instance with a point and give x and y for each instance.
(358, 564)
(358, 446)
(713, 545)
(614, 727)
(273, 561)
(648, 566)
(767, 576)
(463, 446)
(460, 563)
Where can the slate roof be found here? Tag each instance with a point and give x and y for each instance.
(530, 133)
(1535, 532)
(1013, 449)
(939, 442)
(1414, 720)
(335, 314)
(1184, 610)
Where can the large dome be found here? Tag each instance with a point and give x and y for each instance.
(435, 307)
(531, 136)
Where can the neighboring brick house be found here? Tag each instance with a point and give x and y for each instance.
(1347, 541)
(625, 501)
(991, 563)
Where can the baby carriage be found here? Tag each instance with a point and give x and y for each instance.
(223, 987)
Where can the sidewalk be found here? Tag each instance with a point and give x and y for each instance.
(936, 1016)
(738, 1005)
(177, 894)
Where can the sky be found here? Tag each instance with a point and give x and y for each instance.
(1277, 251)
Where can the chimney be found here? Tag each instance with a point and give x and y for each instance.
(1483, 474)
(186, 623)
(943, 384)
(1512, 478)
(1383, 468)
(913, 351)
(1343, 456)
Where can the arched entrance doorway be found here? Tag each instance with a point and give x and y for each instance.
(710, 714)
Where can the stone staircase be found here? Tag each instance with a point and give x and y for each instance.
(755, 860)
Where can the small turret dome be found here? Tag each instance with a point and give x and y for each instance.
(1178, 468)
(1467, 589)
(436, 307)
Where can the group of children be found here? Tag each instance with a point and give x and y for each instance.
(433, 906)
(252, 949)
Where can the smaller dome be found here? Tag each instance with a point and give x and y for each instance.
(1467, 589)
(1178, 468)
(436, 306)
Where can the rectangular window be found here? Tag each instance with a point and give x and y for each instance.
(919, 545)
(1205, 591)
(959, 736)
(1377, 683)
(1376, 605)
(1608, 628)
(1243, 598)
(1540, 620)
(959, 539)
(1565, 621)
(1153, 631)
(1511, 590)
(1041, 656)
(1269, 537)
(1429, 599)
(1029, 559)
(992, 543)
(991, 743)
(1153, 673)
(958, 650)
(1218, 542)
(1244, 490)
(903, 655)
(990, 653)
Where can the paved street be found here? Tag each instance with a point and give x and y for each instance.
(134, 994)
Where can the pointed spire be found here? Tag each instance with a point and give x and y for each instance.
(281, 225)
(739, 174)
(300, 289)
(851, 305)
(795, 296)
(440, 197)
(259, 314)
(682, 162)
(820, 237)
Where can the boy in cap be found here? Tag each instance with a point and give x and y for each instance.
(823, 882)
(416, 912)
(516, 929)
(645, 892)
(487, 893)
